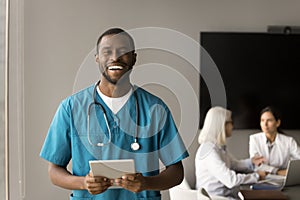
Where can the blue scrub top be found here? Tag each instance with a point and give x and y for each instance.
(157, 135)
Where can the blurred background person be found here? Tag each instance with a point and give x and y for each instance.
(217, 171)
(272, 144)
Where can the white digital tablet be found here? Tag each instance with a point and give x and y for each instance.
(112, 169)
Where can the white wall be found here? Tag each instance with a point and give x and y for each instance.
(59, 34)
(3, 99)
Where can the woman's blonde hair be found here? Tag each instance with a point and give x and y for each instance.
(213, 129)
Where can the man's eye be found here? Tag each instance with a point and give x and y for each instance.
(106, 52)
(123, 52)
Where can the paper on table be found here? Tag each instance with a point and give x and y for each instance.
(264, 167)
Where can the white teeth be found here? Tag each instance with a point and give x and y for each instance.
(115, 67)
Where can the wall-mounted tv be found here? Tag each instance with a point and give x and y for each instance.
(258, 69)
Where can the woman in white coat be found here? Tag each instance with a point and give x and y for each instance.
(271, 143)
(216, 168)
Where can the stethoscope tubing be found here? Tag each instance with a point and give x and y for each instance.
(135, 145)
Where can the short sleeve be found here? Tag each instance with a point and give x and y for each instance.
(172, 148)
(57, 146)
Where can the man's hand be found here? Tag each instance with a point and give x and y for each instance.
(169, 177)
(97, 184)
(132, 182)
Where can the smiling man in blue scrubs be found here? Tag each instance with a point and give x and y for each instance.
(110, 120)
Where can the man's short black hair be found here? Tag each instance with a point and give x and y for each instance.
(115, 31)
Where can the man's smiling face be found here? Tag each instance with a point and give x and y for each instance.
(116, 57)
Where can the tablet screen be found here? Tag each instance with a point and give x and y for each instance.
(112, 169)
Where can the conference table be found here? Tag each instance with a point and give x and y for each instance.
(291, 192)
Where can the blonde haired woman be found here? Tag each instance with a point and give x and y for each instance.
(216, 168)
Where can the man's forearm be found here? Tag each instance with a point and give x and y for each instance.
(63, 178)
(170, 177)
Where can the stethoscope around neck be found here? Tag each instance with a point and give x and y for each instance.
(134, 145)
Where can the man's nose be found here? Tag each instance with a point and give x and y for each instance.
(115, 56)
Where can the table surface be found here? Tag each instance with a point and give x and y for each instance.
(292, 192)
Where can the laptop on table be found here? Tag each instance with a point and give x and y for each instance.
(277, 182)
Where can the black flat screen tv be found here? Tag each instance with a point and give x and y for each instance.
(258, 70)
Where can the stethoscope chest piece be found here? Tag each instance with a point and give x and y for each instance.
(135, 146)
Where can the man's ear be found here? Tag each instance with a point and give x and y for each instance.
(134, 58)
(97, 58)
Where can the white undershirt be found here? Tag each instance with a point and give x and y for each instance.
(115, 104)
